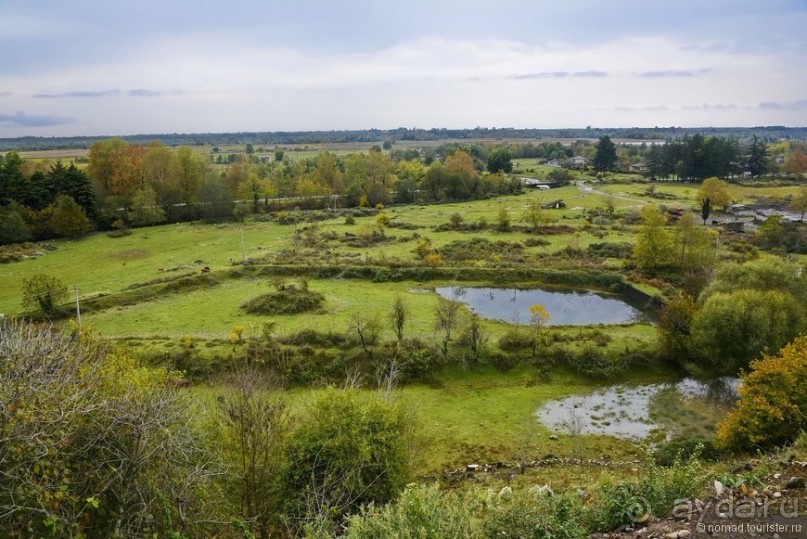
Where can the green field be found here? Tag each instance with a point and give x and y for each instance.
(471, 413)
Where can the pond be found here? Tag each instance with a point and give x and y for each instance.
(656, 411)
(565, 307)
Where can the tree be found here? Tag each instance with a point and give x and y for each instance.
(279, 153)
(605, 158)
(772, 409)
(799, 202)
(249, 150)
(706, 208)
(252, 428)
(539, 316)
(349, 449)
(654, 248)
(446, 316)
(144, 209)
(68, 218)
(697, 256)
(674, 328)
(503, 220)
(716, 190)
(732, 328)
(757, 158)
(398, 317)
(190, 173)
(796, 163)
(764, 274)
(43, 292)
(13, 228)
(476, 336)
(500, 160)
(536, 215)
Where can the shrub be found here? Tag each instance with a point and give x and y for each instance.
(772, 409)
(733, 328)
(350, 449)
(684, 449)
(532, 516)
(421, 511)
(624, 503)
(515, 340)
(43, 292)
(287, 301)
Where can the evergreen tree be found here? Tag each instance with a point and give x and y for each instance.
(605, 158)
(756, 163)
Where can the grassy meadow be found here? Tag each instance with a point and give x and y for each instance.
(471, 413)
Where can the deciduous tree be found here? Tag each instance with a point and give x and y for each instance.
(716, 190)
(654, 248)
(43, 292)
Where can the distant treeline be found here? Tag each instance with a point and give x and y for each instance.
(765, 133)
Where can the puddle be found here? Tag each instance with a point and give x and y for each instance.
(658, 411)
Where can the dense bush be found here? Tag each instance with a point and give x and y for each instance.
(733, 328)
(287, 301)
(348, 450)
(772, 409)
(668, 453)
(91, 444)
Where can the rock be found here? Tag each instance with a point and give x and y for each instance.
(680, 534)
(553, 437)
(777, 494)
(777, 476)
(719, 488)
(795, 482)
(744, 467)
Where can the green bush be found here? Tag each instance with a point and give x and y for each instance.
(349, 449)
(532, 516)
(287, 301)
(685, 448)
(623, 503)
(422, 512)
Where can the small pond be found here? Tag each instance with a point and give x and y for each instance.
(565, 307)
(656, 411)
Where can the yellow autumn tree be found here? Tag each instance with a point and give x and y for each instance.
(772, 409)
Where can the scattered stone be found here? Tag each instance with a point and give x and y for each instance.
(472, 467)
(719, 488)
(795, 482)
(553, 437)
(777, 476)
(680, 534)
(777, 494)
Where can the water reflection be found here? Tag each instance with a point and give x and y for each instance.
(687, 408)
(567, 307)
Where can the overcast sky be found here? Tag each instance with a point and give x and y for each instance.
(108, 67)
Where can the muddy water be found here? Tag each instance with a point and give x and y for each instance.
(650, 411)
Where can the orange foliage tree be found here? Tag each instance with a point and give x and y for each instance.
(772, 409)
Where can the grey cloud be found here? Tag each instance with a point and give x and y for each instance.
(801, 104)
(79, 94)
(675, 73)
(5, 94)
(652, 108)
(557, 75)
(708, 106)
(140, 92)
(596, 74)
(21, 119)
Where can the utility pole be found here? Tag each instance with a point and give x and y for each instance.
(243, 249)
(78, 308)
